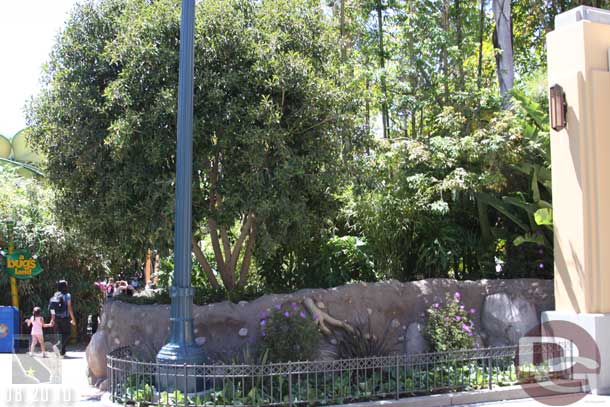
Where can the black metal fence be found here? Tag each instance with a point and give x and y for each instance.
(331, 382)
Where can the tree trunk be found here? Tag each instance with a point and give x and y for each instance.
(384, 91)
(444, 53)
(342, 30)
(459, 39)
(205, 265)
(503, 41)
(481, 31)
(227, 257)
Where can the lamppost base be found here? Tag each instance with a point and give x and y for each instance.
(176, 371)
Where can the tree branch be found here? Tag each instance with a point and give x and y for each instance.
(243, 233)
(324, 319)
(226, 246)
(205, 264)
(245, 264)
(218, 253)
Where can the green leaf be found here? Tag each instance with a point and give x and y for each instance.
(544, 216)
(529, 238)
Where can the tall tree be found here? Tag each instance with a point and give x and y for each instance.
(385, 117)
(503, 41)
(269, 120)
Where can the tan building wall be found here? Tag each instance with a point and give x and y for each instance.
(578, 61)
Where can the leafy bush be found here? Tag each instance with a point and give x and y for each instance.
(204, 292)
(450, 326)
(289, 334)
(320, 264)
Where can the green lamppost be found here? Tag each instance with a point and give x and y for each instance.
(181, 348)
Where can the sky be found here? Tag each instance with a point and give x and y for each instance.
(27, 34)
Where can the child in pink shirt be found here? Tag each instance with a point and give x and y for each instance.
(37, 323)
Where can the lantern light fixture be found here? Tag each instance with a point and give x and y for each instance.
(558, 108)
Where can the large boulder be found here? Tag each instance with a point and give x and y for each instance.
(414, 339)
(226, 328)
(507, 318)
(97, 346)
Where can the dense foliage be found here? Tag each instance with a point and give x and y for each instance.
(334, 141)
(28, 203)
(270, 118)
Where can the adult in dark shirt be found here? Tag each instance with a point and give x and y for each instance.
(63, 320)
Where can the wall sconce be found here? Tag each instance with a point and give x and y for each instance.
(558, 108)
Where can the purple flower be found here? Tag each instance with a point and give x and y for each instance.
(462, 306)
(458, 318)
(264, 314)
(302, 314)
(287, 314)
(457, 296)
(473, 311)
(263, 333)
(277, 306)
(315, 317)
(541, 266)
(436, 305)
(466, 328)
(294, 305)
(263, 322)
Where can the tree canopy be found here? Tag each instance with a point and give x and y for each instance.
(333, 141)
(270, 119)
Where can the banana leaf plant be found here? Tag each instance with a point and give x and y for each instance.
(529, 210)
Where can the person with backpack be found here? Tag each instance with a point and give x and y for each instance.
(62, 315)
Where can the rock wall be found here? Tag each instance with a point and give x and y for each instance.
(506, 309)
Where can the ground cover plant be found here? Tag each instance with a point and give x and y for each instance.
(334, 388)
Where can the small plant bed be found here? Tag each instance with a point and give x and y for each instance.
(317, 383)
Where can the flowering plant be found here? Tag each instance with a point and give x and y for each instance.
(288, 333)
(450, 325)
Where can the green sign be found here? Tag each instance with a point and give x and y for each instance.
(21, 265)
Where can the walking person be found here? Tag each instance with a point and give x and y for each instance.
(62, 315)
(36, 321)
(110, 288)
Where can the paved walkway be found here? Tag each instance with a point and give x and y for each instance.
(588, 401)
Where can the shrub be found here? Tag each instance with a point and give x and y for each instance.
(322, 263)
(450, 326)
(362, 343)
(289, 334)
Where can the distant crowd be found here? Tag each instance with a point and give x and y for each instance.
(112, 288)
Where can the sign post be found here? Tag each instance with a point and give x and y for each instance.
(11, 247)
(20, 264)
